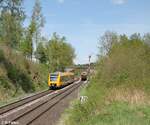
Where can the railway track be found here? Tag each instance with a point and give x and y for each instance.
(23, 101)
(29, 112)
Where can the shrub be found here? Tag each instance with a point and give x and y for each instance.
(119, 93)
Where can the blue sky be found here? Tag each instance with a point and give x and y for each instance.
(84, 21)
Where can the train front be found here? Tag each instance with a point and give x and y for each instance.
(53, 80)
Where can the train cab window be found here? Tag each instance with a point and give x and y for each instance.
(53, 77)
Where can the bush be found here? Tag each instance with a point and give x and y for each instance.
(126, 64)
(17, 74)
(4, 82)
(119, 93)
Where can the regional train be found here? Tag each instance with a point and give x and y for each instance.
(60, 79)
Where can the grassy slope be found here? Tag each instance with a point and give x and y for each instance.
(119, 93)
(17, 75)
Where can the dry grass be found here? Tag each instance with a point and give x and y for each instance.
(3, 71)
(131, 96)
(17, 70)
(3, 94)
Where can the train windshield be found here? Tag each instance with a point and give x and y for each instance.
(53, 77)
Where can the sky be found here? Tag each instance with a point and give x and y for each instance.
(83, 22)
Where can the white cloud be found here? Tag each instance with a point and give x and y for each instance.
(119, 2)
(61, 1)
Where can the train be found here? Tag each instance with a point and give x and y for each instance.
(60, 79)
(84, 76)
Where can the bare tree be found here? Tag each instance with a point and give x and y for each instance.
(107, 41)
(38, 20)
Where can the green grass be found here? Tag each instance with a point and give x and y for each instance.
(119, 113)
(101, 110)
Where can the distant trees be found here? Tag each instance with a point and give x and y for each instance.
(135, 36)
(147, 38)
(110, 39)
(11, 19)
(60, 54)
(41, 53)
(123, 38)
(127, 61)
(107, 41)
(56, 53)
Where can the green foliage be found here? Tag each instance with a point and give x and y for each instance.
(59, 53)
(40, 53)
(119, 113)
(33, 32)
(19, 75)
(119, 93)
(135, 36)
(19, 78)
(11, 17)
(126, 61)
(27, 44)
(4, 82)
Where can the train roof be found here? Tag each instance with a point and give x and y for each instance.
(62, 73)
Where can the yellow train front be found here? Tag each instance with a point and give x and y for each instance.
(60, 79)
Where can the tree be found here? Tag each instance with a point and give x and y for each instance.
(107, 41)
(38, 20)
(27, 44)
(135, 36)
(11, 18)
(40, 53)
(33, 35)
(147, 38)
(59, 53)
(123, 38)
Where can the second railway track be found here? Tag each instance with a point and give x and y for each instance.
(23, 101)
(25, 116)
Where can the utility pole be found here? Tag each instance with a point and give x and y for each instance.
(89, 63)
